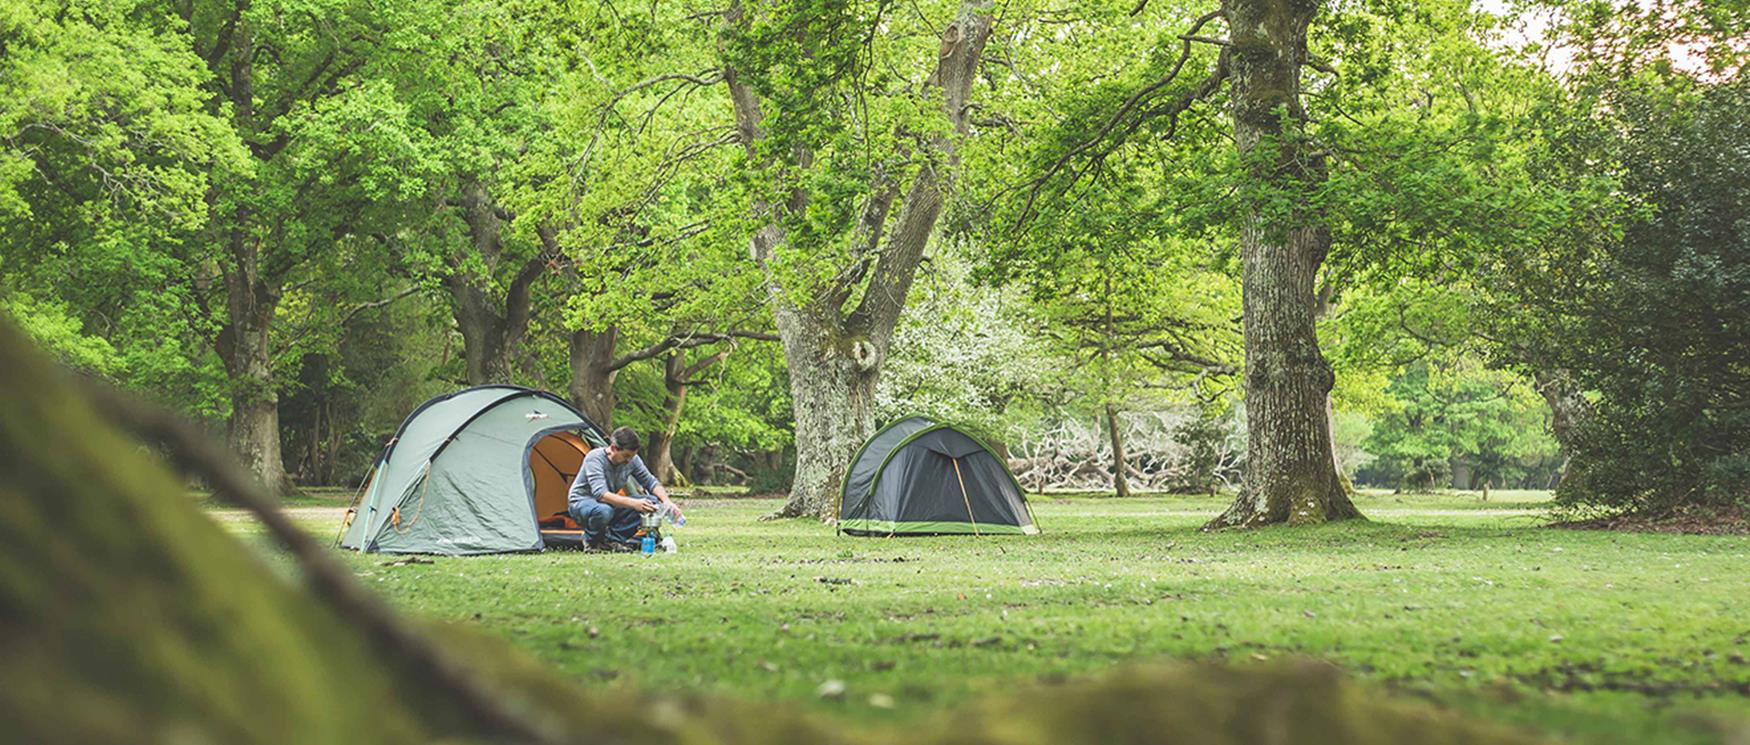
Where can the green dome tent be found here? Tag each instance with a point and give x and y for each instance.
(918, 476)
(474, 472)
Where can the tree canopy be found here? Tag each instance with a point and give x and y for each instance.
(1401, 244)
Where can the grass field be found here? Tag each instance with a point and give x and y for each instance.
(1594, 637)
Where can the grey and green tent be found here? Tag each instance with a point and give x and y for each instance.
(474, 472)
(918, 476)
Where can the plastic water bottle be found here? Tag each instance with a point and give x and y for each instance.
(673, 516)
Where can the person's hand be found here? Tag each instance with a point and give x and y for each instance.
(642, 506)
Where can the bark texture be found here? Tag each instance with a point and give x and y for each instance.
(1120, 484)
(1567, 408)
(832, 391)
(592, 374)
(1291, 474)
(835, 357)
(245, 347)
(492, 326)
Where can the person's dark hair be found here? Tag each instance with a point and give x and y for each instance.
(625, 438)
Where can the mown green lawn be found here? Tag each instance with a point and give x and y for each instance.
(1599, 637)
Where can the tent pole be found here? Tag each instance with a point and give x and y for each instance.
(964, 498)
(352, 509)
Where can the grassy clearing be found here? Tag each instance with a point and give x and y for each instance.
(310, 496)
(1601, 637)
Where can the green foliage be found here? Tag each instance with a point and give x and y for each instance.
(1124, 306)
(741, 404)
(50, 325)
(1619, 307)
(1125, 301)
(970, 355)
(102, 119)
(1417, 119)
(1427, 126)
(108, 148)
(1454, 414)
(1650, 313)
(1428, 407)
(847, 112)
(342, 407)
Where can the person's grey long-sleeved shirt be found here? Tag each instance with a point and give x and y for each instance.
(600, 476)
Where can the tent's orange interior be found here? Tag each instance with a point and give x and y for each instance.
(555, 461)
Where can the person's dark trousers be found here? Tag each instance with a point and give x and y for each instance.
(603, 523)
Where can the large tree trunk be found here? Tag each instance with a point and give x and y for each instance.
(1120, 484)
(254, 428)
(832, 392)
(483, 347)
(1567, 408)
(835, 357)
(1291, 472)
(251, 297)
(661, 443)
(492, 328)
(245, 347)
(593, 373)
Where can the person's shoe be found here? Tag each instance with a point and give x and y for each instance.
(610, 546)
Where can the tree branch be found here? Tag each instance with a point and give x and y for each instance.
(685, 342)
(687, 373)
(957, 63)
(346, 319)
(1206, 40)
(195, 454)
(1124, 110)
(516, 296)
(866, 241)
(702, 78)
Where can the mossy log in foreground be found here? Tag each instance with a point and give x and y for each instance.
(127, 616)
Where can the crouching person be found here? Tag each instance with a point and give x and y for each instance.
(612, 493)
